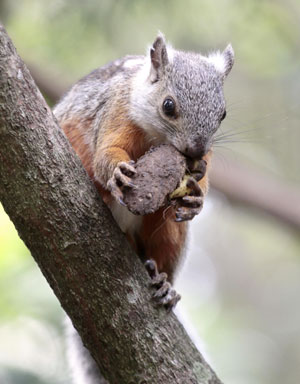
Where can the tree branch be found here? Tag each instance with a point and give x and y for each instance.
(249, 187)
(97, 278)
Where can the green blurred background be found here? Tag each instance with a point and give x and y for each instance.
(241, 280)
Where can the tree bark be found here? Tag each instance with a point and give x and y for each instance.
(72, 236)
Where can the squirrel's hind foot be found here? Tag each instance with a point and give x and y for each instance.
(164, 295)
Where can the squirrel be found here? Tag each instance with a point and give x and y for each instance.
(116, 113)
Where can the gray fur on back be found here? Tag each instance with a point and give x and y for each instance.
(89, 99)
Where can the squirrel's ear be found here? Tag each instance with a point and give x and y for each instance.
(228, 55)
(159, 58)
(223, 62)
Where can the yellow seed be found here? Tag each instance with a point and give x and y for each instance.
(182, 190)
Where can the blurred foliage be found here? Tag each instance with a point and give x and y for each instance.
(242, 277)
(31, 350)
(76, 37)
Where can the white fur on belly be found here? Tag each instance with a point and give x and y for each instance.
(127, 221)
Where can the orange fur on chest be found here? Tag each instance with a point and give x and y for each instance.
(76, 138)
(162, 238)
(123, 142)
(74, 131)
(127, 137)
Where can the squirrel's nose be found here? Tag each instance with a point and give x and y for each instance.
(195, 152)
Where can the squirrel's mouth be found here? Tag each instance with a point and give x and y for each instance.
(195, 152)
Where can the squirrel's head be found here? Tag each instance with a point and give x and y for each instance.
(177, 97)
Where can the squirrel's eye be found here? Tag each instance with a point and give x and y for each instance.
(223, 116)
(169, 107)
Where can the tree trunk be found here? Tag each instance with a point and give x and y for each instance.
(72, 236)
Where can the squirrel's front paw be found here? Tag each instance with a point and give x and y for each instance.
(164, 295)
(121, 179)
(190, 205)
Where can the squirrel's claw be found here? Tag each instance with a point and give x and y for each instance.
(190, 205)
(186, 213)
(192, 201)
(171, 299)
(194, 186)
(198, 169)
(122, 174)
(115, 190)
(164, 295)
(127, 168)
(120, 179)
